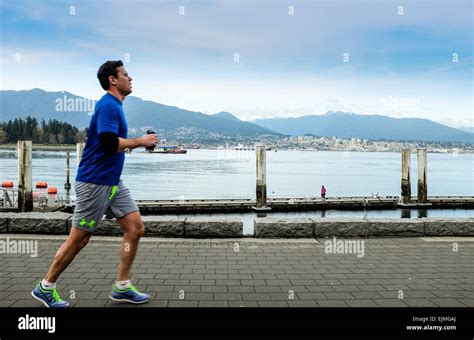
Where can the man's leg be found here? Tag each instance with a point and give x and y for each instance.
(89, 209)
(132, 225)
(128, 215)
(123, 290)
(45, 290)
(76, 241)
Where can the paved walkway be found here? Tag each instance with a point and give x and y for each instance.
(213, 272)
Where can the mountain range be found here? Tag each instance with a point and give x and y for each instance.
(349, 125)
(141, 115)
(189, 125)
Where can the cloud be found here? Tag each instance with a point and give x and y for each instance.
(289, 65)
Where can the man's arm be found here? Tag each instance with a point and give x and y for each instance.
(148, 140)
(112, 144)
(131, 143)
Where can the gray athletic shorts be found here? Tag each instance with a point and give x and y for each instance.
(93, 201)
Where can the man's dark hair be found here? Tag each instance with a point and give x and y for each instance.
(109, 68)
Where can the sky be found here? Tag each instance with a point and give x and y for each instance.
(255, 59)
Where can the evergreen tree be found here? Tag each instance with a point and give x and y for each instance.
(50, 132)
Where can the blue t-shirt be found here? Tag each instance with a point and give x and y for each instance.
(98, 166)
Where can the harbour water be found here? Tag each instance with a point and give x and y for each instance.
(231, 173)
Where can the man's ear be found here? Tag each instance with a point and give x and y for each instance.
(112, 80)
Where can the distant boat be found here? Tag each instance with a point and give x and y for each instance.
(168, 149)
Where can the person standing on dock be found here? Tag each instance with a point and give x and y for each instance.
(99, 190)
(323, 192)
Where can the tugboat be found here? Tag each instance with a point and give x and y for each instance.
(163, 148)
(167, 149)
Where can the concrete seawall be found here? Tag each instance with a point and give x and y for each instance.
(267, 227)
(354, 227)
(174, 226)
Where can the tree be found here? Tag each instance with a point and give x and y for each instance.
(39, 136)
(3, 136)
(52, 131)
(52, 139)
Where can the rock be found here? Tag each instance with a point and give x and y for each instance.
(383, 227)
(449, 227)
(217, 227)
(108, 228)
(3, 224)
(341, 227)
(164, 225)
(269, 227)
(38, 223)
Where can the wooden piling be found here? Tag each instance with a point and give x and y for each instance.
(67, 167)
(25, 192)
(406, 185)
(422, 185)
(79, 150)
(67, 185)
(261, 176)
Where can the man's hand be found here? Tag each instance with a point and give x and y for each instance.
(149, 140)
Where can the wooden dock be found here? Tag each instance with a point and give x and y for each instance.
(290, 204)
(295, 204)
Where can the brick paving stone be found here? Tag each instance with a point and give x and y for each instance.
(390, 303)
(183, 303)
(450, 302)
(213, 304)
(243, 304)
(261, 274)
(272, 304)
(295, 303)
(361, 303)
(332, 303)
(241, 289)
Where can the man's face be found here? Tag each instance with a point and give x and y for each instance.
(123, 82)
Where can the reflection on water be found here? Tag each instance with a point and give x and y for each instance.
(12, 154)
(405, 213)
(422, 213)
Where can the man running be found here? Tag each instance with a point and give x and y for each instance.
(99, 190)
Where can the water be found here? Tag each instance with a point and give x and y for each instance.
(231, 174)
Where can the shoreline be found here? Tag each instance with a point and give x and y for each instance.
(72, 147)
(45, 147)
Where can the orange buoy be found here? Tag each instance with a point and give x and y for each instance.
(41, 185)
(52, 190)
(7, 184)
